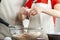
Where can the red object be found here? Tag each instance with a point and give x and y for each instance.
(42, 1)
(53, 2)
(29, 3)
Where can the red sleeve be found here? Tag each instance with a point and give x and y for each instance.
(54, 2)
(29, 3)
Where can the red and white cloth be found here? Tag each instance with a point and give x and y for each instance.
(43, 20)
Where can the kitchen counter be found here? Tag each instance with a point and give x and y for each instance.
(54, 36)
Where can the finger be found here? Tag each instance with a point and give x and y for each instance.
(31, 10)
(34, 13)
(23, 11)
(23, 17)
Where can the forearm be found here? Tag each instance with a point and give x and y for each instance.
(20, 15)
(52, 12)
(23, 14)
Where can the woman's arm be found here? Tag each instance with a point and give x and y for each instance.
(21, 14)
(52, 12)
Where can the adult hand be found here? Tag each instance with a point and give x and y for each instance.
(33, 11)
(22, 14)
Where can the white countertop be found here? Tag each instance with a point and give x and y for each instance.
(55, 33)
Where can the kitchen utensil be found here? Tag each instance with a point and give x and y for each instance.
(26, 24)
(5, 23)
